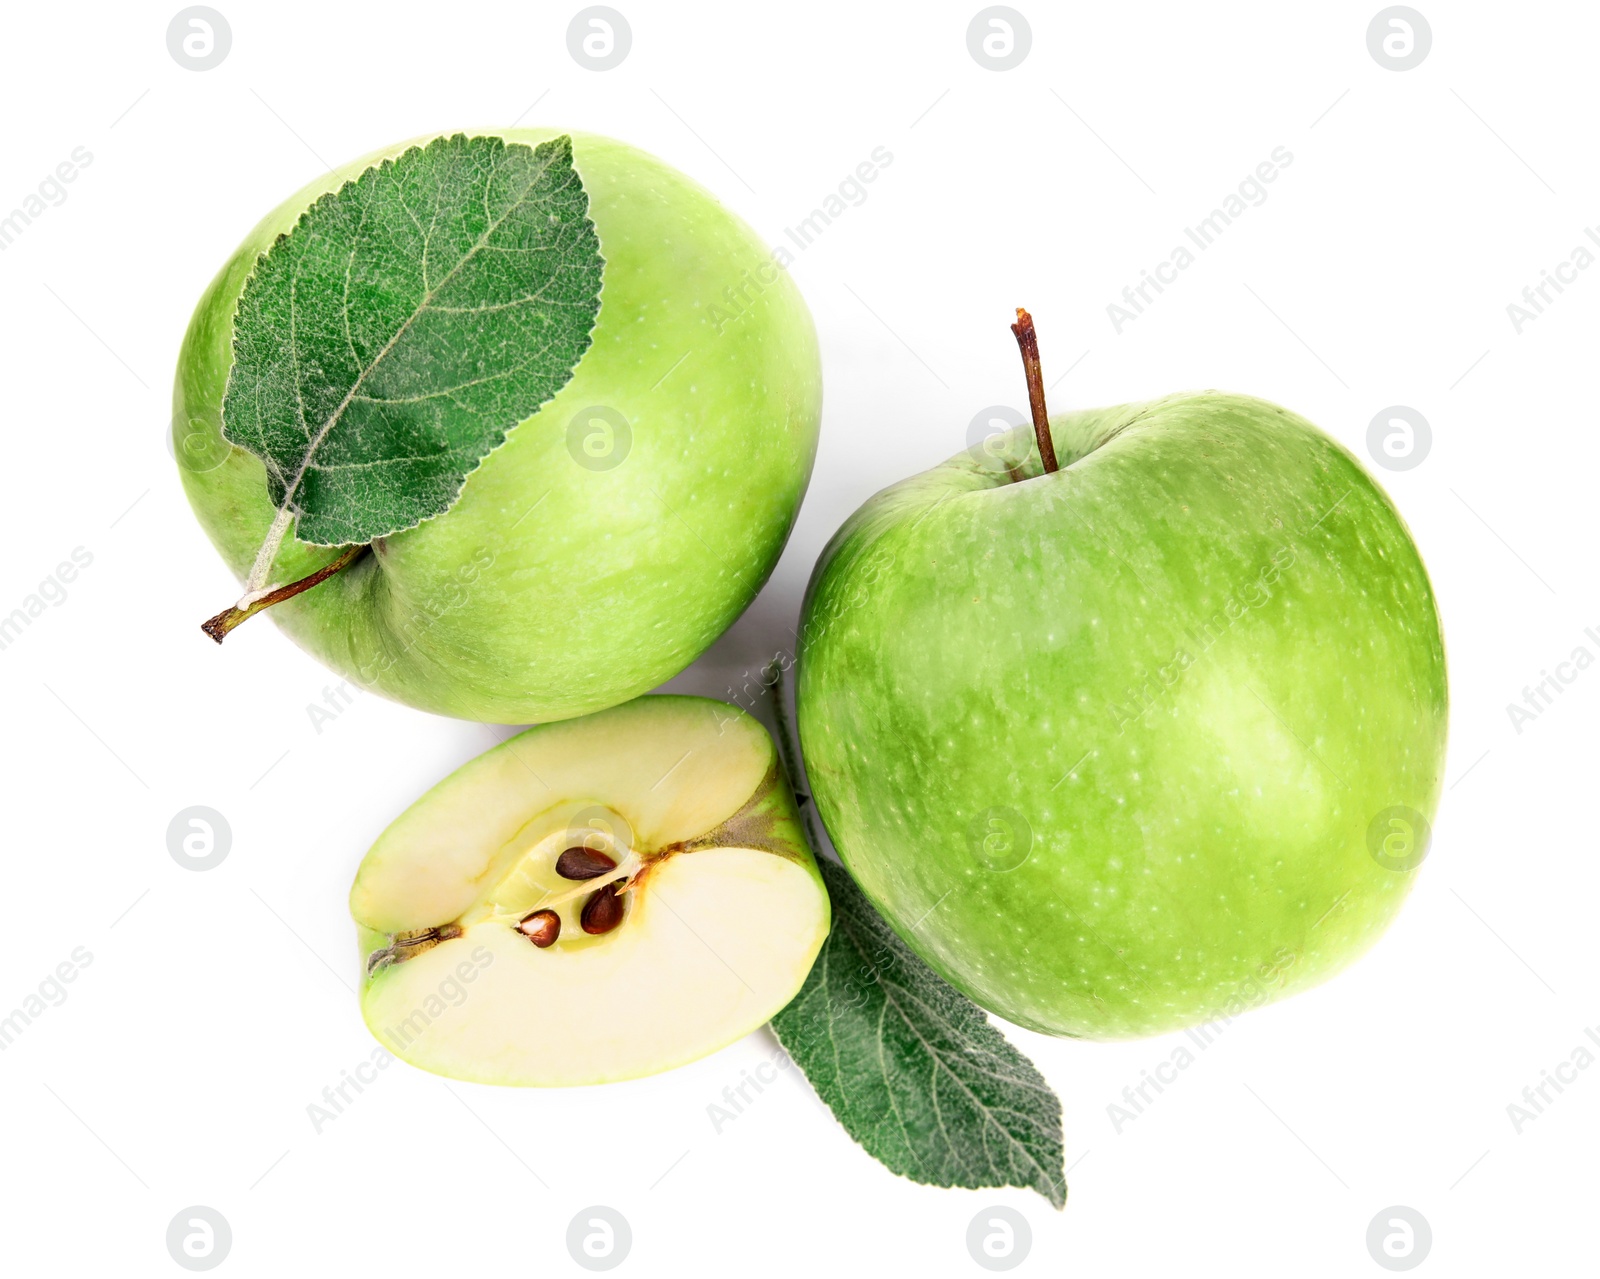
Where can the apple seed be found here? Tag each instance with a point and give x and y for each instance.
(583, 863)
(602, 912)
(542, 927)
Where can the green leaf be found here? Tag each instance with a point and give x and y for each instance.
(410, 319)
(912, 1068)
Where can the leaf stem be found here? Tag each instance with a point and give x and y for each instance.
(775, 678)
(1028, 343)
(269, 550)
(254, 602)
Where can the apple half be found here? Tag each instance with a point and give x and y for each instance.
(593, 900)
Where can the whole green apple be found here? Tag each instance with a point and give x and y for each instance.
(1139, 743)
(618, 531)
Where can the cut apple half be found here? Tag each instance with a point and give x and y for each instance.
(592, 900)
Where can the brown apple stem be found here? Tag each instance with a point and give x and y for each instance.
(219, 626)
(1028, 343)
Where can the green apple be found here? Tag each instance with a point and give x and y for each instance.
(1138, 743)
(595, 554)
(592, 900)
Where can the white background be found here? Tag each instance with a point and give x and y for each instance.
(218, 1005)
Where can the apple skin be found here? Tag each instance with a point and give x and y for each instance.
(1195, 664)
(551, 590)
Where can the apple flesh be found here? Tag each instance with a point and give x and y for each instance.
(578, 568)
(1107, 746)
(593, 900)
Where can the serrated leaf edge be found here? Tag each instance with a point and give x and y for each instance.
(1057, 1187)
(505, 434)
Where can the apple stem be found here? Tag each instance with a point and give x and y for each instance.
(1028, 343)
(253, 602)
